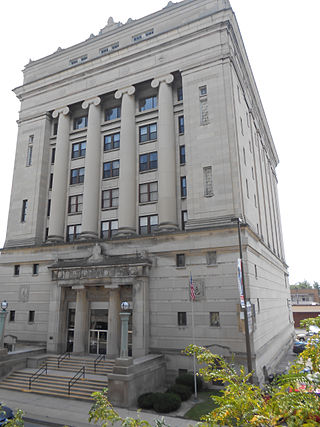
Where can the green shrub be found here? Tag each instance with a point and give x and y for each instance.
(182, 390)
(188, 380)
(146, 400)
(166, 402)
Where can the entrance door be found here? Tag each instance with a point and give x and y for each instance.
(70, 329)
(98, 333)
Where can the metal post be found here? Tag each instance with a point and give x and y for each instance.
(246, 323)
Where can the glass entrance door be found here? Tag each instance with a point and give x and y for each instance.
(98, 334)
(70, 329)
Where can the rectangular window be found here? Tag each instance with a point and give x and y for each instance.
(183, 186)
(244, 156)
(24, 210)
(180, 94)
(75, 203)
(112, 113)
(148, 161)
(212, 258)
(31, 316)
(80, 122)
(181, 124)
(111, 142)
(182, 318)
(110, 198)
(109, 229)
(182, 153)
(184, 219)
(111, 169)
(55, 128)
(255, 271)
(148, 103)
(148, 224)
(29, 155)
(203, 90)
(53, 155)
(35, 269)
(241, 125)
(148, 132)
(214, 319)
(180, 260)
(78, 150)
(247, 189)
(77, 176)
(49, 208)
(51, 181)
(148, 192)
(16, 270)
(12, 315)
(73, 232)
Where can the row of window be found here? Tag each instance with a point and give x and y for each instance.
(214, 318)
(113, 113)
(211, 258)
(31, 316)
(16, 269)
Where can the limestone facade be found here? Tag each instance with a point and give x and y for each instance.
(146, 140)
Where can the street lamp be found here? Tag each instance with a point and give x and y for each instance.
(4, 305)
(239, 221)
(3, 315)
(124, 316)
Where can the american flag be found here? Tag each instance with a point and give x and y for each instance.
(192, 293)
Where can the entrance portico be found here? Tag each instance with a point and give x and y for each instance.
(87, 293)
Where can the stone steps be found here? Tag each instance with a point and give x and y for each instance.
(73, 364)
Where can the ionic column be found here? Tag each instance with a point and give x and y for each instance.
(80, 342)
(167, 198)
(91, 191)
(127, 175)
(60, 177)
(114, 323)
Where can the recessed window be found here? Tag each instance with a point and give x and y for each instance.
(50, 181)
(29, 155)
(16, 270)
(181, 124)
(31, 316)
(182, 154)
(110, 48)
(142, 36)
(148, 224)
(255, 271)
(53, 155)
(180, 260)
(12, 315)
(110, 198)
(244, 156)
(183, 186)
(148, 132)
(184, 219)
(252, 172)
(80, 122)
(77, 176)
(111, 142)
(55, 128)
(214, 319)
(241, 125)
(24, 210)
(203, 90)
(211, 258)
(148, 103)
(49, 208)
(182, 318)
(255, 201)
(78, 150)
(179, 94)
(247, 189)
(148, 161)
(109, 229)
(31, 139)
(111, 169)
(73, 232)
(35, 269)
(112, 113)
(75, 203)
(148, 192)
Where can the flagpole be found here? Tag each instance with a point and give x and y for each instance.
(192, 295)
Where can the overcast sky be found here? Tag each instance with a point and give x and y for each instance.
(282, 41)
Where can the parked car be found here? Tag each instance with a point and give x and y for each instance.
(299, 346)
(6, 414)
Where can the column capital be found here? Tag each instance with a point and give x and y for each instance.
(168, 78)
(62, 110)
(95, 101)
(130, 90)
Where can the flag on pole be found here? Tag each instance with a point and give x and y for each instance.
(192, 293)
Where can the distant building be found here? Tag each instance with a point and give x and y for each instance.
(304, 296)
(135, 150)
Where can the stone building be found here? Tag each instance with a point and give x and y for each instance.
(135, 150)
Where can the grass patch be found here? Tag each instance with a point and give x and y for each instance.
(202, 408)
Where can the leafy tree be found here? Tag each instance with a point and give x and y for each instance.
(302, 285)
(17, 421)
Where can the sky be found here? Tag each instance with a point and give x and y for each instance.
(282, 42)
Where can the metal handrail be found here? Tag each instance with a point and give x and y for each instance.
(98, 360)
(62, 357)
(74, 379)
(37, 374)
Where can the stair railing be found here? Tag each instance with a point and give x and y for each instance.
(62, 357)
(43, 369)
(81, 373)
(99, 359)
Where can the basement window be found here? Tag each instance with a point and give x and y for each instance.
(31, 316)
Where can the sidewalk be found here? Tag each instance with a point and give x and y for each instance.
(74, 413)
